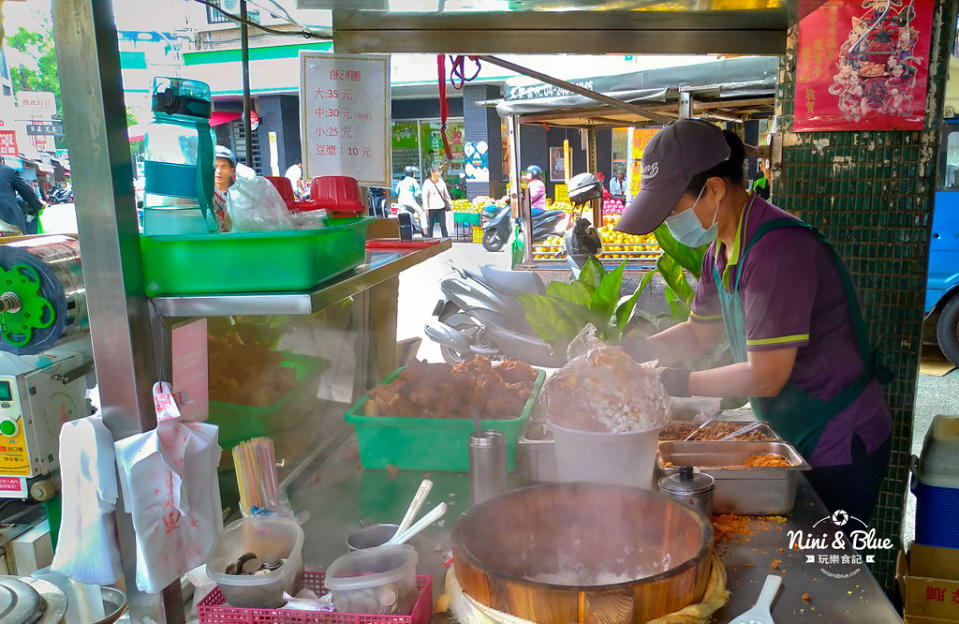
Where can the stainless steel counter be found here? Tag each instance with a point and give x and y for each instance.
(337, 493)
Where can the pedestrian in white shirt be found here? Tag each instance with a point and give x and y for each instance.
(436, 201)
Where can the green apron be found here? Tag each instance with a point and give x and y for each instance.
(796, 415)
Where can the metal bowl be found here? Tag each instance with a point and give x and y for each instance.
(371, 536)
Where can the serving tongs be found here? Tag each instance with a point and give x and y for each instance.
(708, 421)
(743, 430)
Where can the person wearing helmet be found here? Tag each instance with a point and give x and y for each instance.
(536, 189)
(224, 175)
(788, 307)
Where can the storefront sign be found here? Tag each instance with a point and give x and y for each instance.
(863, 65)
(345, 120)
(404, 135)
(638, 138)
(8, 143)
(477, 161)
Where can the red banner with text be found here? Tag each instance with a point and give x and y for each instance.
(863, 65)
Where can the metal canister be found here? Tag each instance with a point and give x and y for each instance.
(691, 487)
(487, 452)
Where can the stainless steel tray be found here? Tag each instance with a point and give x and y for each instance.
(764, 428)
(740, 490)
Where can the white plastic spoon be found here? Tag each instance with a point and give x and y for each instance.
(415, 506)
(760, 613)
(435, 514)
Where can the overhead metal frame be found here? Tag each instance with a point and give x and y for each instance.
(563, 32)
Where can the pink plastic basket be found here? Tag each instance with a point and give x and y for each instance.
(212, 609)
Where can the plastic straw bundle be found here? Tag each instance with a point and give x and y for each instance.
(255, 465)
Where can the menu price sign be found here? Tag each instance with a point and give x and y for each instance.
(345, 122)
(8, 143)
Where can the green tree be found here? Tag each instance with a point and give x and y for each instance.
(43, 75)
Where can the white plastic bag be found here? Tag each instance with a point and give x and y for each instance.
(254, 204)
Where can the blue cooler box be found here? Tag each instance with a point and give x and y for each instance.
(935, 482)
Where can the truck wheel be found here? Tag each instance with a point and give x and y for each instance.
(947, 329)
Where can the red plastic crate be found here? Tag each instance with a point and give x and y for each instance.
(213, 610)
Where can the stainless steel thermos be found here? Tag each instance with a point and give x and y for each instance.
(487, 452)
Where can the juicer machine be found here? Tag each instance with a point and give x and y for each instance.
(46, 364)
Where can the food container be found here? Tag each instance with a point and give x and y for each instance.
(677, 431)
(537, 454)
(270, 539)
(377, 580)
(371, 536)
(212, 610)
(583, 552)
(241, 262)
(429, 443)
(626, 458)
(739, 489)
(691, 487)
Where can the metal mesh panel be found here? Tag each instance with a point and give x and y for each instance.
(871, 193)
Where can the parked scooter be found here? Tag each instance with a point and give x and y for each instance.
(479, 313)
(377, 202)
(416, 216)
(497, 230)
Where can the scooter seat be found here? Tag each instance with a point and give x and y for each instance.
(513, 282)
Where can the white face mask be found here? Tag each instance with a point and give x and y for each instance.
(687, 229)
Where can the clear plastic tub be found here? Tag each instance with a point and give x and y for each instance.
(269, 539)
(377, 580)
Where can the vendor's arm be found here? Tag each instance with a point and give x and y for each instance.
(763, 375)
(778, 290)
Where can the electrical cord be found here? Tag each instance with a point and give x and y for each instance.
(309, 34)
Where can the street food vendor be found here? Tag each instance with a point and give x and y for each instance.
(224, 175)
(786, 302)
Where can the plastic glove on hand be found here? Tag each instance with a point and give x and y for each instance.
(676, 381)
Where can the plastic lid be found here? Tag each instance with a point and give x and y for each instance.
(686, 482)
(371, 567)
(940, 449)
(179, 96)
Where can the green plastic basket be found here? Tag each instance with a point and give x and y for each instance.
(429, 443)
(241, 422)
(239, 262)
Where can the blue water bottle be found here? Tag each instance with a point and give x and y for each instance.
(179, 159)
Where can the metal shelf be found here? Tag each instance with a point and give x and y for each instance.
(380, 266)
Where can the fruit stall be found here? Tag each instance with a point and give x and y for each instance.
(733, 90)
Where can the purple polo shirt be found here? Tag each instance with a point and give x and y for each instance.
(792, 296)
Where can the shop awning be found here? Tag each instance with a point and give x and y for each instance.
(728, 88)
(221, 117)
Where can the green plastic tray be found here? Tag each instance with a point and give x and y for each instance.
(239, 262)
(429, 443)
(239, 422)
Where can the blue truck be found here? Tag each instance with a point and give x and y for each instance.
(942, 283)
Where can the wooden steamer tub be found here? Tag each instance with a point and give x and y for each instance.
(583, 531)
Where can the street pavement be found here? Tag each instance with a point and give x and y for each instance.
(420, 290)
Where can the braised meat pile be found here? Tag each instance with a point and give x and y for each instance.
(247, 373)
(713, 432)
(442, 391)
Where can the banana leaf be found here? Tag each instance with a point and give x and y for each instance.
(627, 305)
(675, 280)
(592, 273)
(689, 258)
(549, 321)
(604, 299)
(678, 307)
(573, 292)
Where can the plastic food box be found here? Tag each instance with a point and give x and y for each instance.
(212, 610)
(376, 580)
(239, 422)
(429, 443)
(269, 538)
(239, 262)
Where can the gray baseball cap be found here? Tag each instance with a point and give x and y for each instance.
(671, 159)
